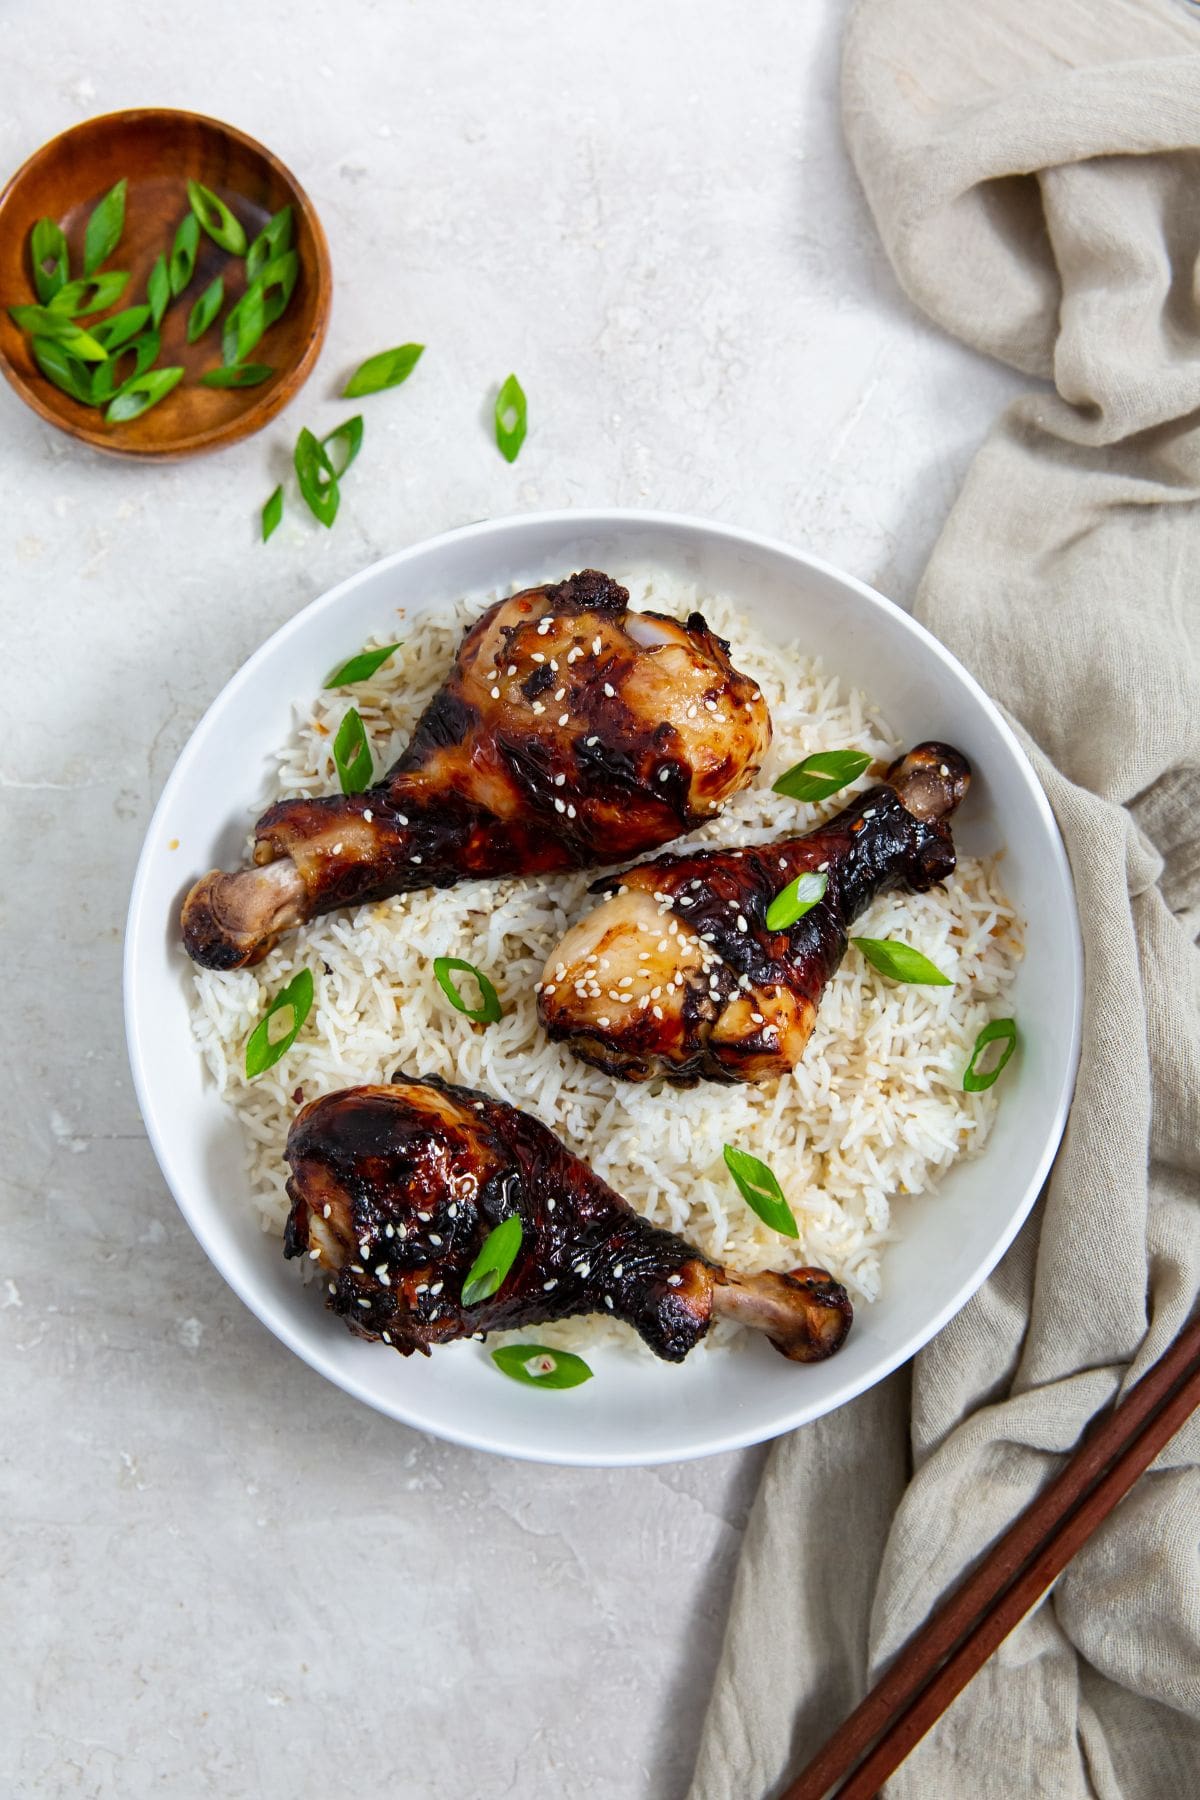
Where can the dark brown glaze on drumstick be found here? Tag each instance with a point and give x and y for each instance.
(394, 1190)
(570, 733)
(678, 975)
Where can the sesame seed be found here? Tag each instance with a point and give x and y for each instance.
(357, 1269)
(452, 1210)
(821, 868)
(437, 1287)
(554, 665)
(595, 646)
(742, 925)
(389, 1231)
(544, 627)
(402, 818)
(664, 774)
(387, 1337)
(368, 815)
(656, 1010)
(942, 769)
(415, 859)
(583, 1270)
(560, 806)
(511, 669)
(538, 657)
(591, 741)
(435, 1239)
(314, 1256)
(538, 707)
(870, 813)
(422, 1287)
(570, 811)
(337, 849)
(608, 1301)
(550, 1205)
(495, 693)
(618, 1271)
(548, 1287)
(604, 1021)
(383, 1275)
(363, 1303)
(674, 1280)
(564, 719)
(425, 1217)
(560, 781)
(326, 1210)
(549, 988)
(610, 690)
(561, 693)
(333, 1287)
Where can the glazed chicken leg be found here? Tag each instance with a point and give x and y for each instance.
(678, 975)
(394, 1190)
(570, 733)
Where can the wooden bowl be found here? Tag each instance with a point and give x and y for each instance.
(158, 150)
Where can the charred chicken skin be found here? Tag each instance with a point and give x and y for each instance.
(678, 975)
(394, 1190)
(571, 732)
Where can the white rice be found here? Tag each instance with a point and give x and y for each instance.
(875, 1110)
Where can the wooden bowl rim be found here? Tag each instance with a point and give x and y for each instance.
(260, 411)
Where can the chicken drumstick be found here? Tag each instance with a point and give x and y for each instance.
(571, 732)
(678, 975)
(394, 1189)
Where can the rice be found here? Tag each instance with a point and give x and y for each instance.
(874, 1112)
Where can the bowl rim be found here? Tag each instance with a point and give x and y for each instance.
(267, 406)
(311, 1352)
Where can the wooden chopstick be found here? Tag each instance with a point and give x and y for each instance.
(955, 1643)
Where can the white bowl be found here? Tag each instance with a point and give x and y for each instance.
(633, 1412)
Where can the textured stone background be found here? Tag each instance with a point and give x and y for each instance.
(221, 1576)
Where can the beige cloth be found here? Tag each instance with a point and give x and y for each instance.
(1034, 169)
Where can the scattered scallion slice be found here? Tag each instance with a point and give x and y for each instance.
(272, 513)
(43, 322)
(489, 1009)
(901, 962)
(158, 289)
(537, 1366)
(796, 899)
(823, 774)
(512, 419)
(244, 324)
(1004, 1031)
(107, 379)
(104, 228)
(263, 1050)
(274, 238)
(221, 225)
(352, 754)
(48, 254)
(348, 437)
(182, 265)
(239, 376)
(360, 667)
(92, 294)
(318, 481)
(206, 309)
(760, 1190)
(496, 1256)
(73, 377)
(277, 280)
(385, 370)
(117, 330)
(140, 394)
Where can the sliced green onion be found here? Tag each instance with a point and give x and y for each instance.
(511, 419)
(537, 1366)
(901, 962)
(48, 254)
(104, 228)
(318, 481)
(274, 238)
(73, 377)
(117, 330)
(975, 1080)
(352, 754)
(43, 322)
(760, 1190)
(221, 225)
(140, 394)
(796, 899)
(90, 295)
(107, 379)
(182, 265)
(821, 775)
(277, 279)
(261, 304)
(272, 512)
(240, 376)
(489, 1009)
(349, 437)
(360, 667)
(263, 1049)
(496, 1256)
(385, 370)
(206, 309)
(158, 289)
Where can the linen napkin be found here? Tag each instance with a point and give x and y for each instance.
(1034, 170)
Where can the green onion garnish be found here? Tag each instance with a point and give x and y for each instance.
(104, 228)
(140, 394)
(182, 265)
(272, 512)
(74, 378)
(274, 238)
(901, 962)
(539, 1367)
(511, 419)
(206, 309)
(122, 326)
(760, 1190)
(490, 1008)
(496, 1256)
(244, 324)
(823, 774)
(90, 295)
(352, 754)
(318, 481)
(796, 899)
(221, 225)
(976, 1080)
(264, 1050)
(43, 322)
(48, 254)
(158, 289)
(360, 667)
(241, 375)
(348, 437)
(107, 378)
(277, 279)
(385, 370)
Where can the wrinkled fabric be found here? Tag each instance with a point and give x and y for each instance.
(1034, 172)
